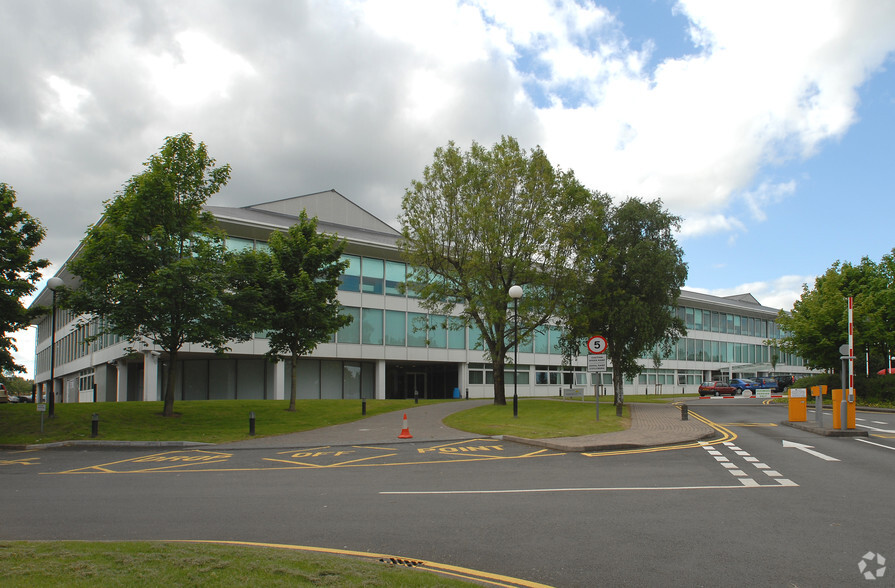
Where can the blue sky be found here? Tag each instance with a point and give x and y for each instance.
(767, 126)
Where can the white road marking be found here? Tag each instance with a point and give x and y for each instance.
(809, 449)
(872, 443)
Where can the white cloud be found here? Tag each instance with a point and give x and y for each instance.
(781, 292)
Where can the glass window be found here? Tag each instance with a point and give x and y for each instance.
(395, 275)
(395, 329)
(372, 276)
(437, 331)
(716, 322)
(474, 341)
(555, 333)
(541, 341)
(689, 320)
(351, 277)
(237, 244)
(476, 377)
(350, 333)
(456, 333)
(697, 319)
(416, 329)
(372, 327)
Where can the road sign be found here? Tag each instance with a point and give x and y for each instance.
(41, 407)
(597, 344)
(596, 363)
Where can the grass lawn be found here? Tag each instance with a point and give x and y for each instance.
(75, 564)
(208, 421)
(541, 418)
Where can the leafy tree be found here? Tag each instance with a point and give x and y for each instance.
(153, 268)
(20, 234)
(482, 221)
(818, 323)
(297, 282)
(632, 272)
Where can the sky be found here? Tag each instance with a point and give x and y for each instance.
(767, 126)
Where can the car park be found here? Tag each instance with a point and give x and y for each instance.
(716, 388)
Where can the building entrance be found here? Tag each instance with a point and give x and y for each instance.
(430, 380)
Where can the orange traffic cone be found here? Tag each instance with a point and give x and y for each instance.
(405, 432)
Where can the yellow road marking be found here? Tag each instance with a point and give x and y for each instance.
(726, 435)
(456, 571)
(23, 461)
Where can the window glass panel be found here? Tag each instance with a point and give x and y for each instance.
(237, 244)
(395, 329)
(474, 340)
(437, 331)
(697, 319)
(416, 329)
(350, 333)
(395, 275)
(456, 334)
(476, 377)
(541, 340)
(372, 327)
(555, 334)
(351, 277)
(372, 276)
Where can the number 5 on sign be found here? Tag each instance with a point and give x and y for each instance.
(597, 344)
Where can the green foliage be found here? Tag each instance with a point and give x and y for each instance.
(632, 271)
(294, 287)
(153, 266)
(17, 385)
(20, 234)
(482, 221)
(818, 323)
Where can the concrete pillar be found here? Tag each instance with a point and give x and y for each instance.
(380, 379)
(279, 380)
(150, 376)
(121, 364)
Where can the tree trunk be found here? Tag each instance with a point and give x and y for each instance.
(500, 396)
(618, 385)
(169, 384)
(294, 383)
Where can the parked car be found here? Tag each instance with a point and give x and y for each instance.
(765, 383)
(742, 384)
(715, 389)
(784, 382)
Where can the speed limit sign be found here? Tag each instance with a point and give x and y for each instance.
(597, 344)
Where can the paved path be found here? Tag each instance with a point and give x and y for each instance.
(652, 424)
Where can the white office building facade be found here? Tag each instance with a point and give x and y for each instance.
(393, 348)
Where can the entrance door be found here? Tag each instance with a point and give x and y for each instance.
(415, 384)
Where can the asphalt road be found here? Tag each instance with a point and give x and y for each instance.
(742, 509)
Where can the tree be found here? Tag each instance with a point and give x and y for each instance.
(480, 222)
(818, 323)
(298, 281)
(153, 268)
(632, 272)
(20, 234)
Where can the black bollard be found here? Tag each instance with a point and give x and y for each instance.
(252, 423)
(467, 394)
(94, 425)
(363, 407)
(685, 413)
(416, 396)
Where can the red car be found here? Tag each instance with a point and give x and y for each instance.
(716, 389)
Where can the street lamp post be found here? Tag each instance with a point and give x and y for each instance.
(53, 284)
(516, 294)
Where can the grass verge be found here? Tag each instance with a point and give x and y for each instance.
(209, 421)
(541, 419)
(164, 564)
